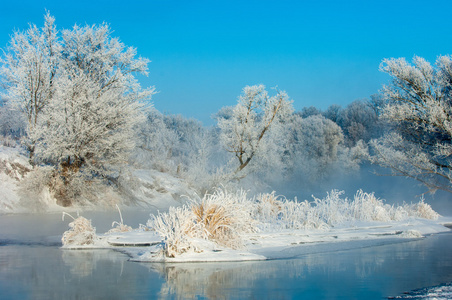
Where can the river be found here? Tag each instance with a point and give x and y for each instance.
(32, 266)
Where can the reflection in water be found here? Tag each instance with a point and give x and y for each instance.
(52, 273)
(210, 280)
(371, 272)
(82, 263)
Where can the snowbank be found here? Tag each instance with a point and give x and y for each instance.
(13, 168)
(153, 188)
(145, 188)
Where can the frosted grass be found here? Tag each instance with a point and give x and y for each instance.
(223, 217)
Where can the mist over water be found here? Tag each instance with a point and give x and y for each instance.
(391, 189)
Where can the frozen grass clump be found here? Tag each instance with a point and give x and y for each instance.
(220, 217)
(177, 227)
(367, 207)
(332, 209)
(119, 226)
(421, 210)
(276, 213)
(82, 233)
(224, 216)
(268, 206)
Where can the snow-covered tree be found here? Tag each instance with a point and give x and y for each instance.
(332, 112)
(12, 123)
(80, 96)
(28, 71)
(245, 132)
(313, 147)
(358, 122)
(309, 111)
(96, 103)
(419, 106)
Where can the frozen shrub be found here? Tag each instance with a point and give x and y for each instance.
(224, 216)
(422, 210)
(332, 209)
(82, 233)
(399, 213)
(301, 215)
(215, 220)
(268, 205)
(366, 207)
(221, 217)
(177, 227)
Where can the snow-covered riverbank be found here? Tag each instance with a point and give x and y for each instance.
(147, 246)
(232, 227)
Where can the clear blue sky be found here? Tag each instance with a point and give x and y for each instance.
(204, 52)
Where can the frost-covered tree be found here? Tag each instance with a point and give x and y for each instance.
(80, 96)
(179, 146)
(332, 112)
(244, 132)
(156, 144)
(12, 123)
(28, 71)
(90, 118)
(419, 107)
(309, 111)
(358, 122)
(313, 146)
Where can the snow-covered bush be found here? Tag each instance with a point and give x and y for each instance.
(224, 216)
(220, 217)
(268, 205)
(82, 233)
(177, 227)
(300, 215)
(332, 209)
(366, 207)
(422, 210)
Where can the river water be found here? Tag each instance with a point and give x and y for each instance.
(32, 266)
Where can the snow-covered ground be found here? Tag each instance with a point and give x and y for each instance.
(138, 188)
(147, 246)
(228, 226)
(13, 168)
(440, 292)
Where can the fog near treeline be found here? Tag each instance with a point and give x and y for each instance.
(320, 151)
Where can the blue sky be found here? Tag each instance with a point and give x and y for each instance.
(204, 52)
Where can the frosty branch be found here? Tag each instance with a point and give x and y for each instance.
(418, 105)
(243, 132)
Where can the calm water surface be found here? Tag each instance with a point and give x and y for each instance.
(32, 266)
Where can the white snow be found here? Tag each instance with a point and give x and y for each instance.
(142, 188)
(147, 246)
(150, 187)
(13, 165)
